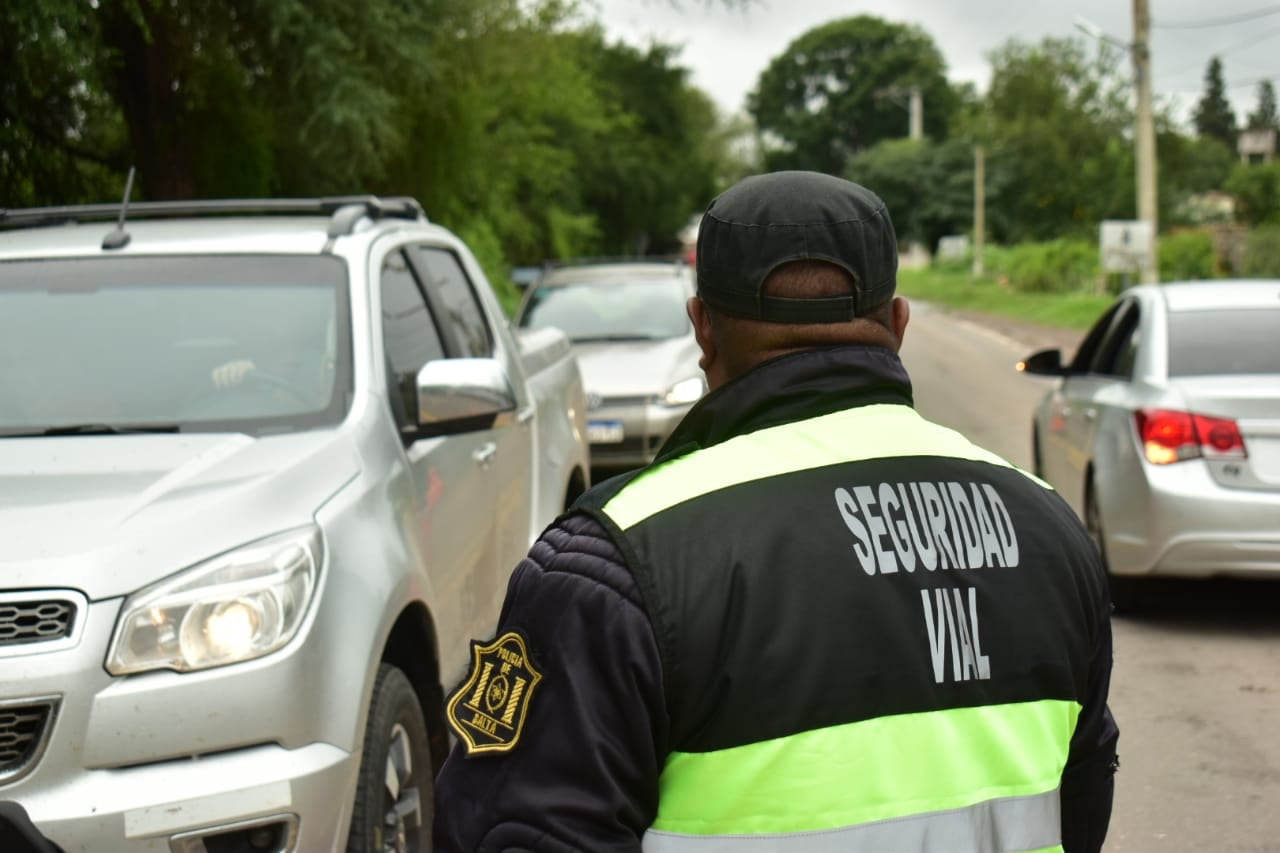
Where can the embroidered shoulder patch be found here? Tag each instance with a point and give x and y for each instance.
(489, 709)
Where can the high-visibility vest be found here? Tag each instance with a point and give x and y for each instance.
(875, 636)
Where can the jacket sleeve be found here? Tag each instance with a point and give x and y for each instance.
(582, 774)
(18, 834)
(1088, 782)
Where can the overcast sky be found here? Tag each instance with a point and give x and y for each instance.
(727, 49)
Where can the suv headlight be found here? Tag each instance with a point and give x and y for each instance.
(685, 391)
(236, 607)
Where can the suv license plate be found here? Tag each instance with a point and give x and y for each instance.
(604, 432)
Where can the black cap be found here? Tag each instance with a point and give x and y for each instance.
(768, 220)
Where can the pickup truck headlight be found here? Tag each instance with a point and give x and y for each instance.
(236, 607)
(685, 391)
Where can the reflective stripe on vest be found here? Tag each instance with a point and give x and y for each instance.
(1028, 824)
(870, 770)
(854, 435)
(939, 766)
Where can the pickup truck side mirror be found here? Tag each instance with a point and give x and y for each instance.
(457, 395)
(1046, 362)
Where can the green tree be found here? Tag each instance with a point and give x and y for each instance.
(227, 96)
(658, 164)
(497, 142)
(549, 141)
(927, 185)
(60, 135)
(1257, 193)
(1190, 166)
(840, 88)
(514, 121)
(1265, 116)
(1213, 116)
(1055, 125)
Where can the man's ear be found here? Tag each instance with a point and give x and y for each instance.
(901, 316)
(704, 332)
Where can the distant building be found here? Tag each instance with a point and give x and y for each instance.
(1257, 146)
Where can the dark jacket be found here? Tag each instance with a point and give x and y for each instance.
(641, 655)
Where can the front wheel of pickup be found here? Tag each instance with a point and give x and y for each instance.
(394, 794)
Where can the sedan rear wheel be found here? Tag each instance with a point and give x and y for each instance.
(1125, 591)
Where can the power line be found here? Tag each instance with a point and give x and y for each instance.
(1206, 23)
(1250, 42)
(1242, 84)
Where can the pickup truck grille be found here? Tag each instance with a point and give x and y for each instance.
(24, 725)
(35, 621)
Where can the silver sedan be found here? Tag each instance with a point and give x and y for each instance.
(635, 346)
(1164, 431)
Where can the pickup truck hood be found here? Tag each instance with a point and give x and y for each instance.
(636, 368)
(110, 514)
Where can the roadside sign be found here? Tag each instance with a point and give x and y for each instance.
(1124, 245)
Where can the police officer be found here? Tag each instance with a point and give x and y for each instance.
(818, 622)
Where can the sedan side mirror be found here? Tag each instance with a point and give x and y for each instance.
(1046, 362)
(457, 395)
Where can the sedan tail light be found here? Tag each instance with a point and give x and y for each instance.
(1168, 436)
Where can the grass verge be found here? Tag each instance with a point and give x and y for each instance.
(961, 290)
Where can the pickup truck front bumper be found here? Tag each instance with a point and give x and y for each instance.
(300, 795)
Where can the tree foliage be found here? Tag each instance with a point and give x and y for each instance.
(515, 121)
(522, 126)
(841, 88)
(1265, 116)
(1257, 193)
(658, 163)
(60, 136)
(1213, 116)
(927, 185)
(1054, 125)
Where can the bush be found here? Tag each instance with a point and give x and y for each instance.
(1058, 266)
(1187, 256)
(1262, 257)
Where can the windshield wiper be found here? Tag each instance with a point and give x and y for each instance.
(95, 429)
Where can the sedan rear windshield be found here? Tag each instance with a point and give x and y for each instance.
(644, 309)
(253, 344)
(1224, 342)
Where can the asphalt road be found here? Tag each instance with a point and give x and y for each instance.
(1196, 684)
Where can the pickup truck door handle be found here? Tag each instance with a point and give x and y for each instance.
(523, 417)
(484, 454)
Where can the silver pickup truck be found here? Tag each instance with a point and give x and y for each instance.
(265, 469)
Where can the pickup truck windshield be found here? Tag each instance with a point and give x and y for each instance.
(651, 309)
(107, 346)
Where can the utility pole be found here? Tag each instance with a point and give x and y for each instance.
(1145, 135)
(979, 209)
(917, 113)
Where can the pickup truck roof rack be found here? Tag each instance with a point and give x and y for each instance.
(344, 211)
